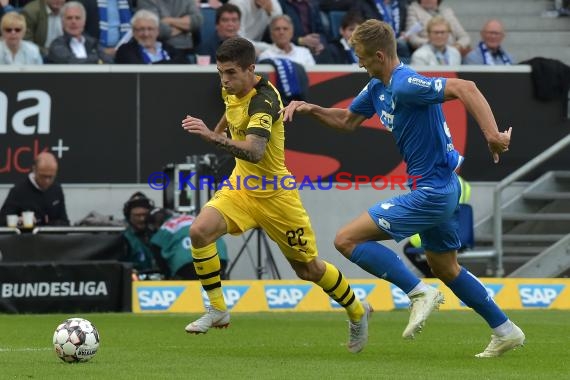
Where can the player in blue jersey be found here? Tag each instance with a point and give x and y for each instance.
(409, 105)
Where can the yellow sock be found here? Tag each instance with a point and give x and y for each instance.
(338, 288)
(207, 265)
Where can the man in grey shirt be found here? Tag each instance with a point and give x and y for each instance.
(180, 21)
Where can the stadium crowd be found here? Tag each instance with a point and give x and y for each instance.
(123, 31)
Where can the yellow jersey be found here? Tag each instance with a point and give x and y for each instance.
(258, 113)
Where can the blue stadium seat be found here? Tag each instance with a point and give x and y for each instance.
(335, 18)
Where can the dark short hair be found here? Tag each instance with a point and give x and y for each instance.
(236, 49)
(227, 8)
(351, 18)
(138, 199)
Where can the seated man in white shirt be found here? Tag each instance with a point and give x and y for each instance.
(281, 29)
(437, 52)
(75, 46)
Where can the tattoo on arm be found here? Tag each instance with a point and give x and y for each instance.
(252, 149)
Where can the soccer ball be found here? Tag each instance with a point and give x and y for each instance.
(76, 340)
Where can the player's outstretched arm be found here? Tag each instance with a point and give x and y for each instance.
(252, 149)
(479, 108)
(338, 118)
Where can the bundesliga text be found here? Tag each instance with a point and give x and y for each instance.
(340, 181)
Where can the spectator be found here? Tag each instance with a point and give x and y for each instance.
(172, 248)
(437, 52)
(75, 46)
(340, 50)
(39, 193)
(137, 235)
(419, 13)
(255, 16)
(180, 22)
(108, 21)
(43, 22)
(13, 50)
(228, 19)
(489, 50)
(281, 29)
(144, 48)
(6, 7)
(307, 25)
(394, 13)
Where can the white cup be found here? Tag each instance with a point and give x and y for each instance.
(202, 59)
(28, 219)
(12, 220)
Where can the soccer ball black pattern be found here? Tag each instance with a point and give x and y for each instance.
(76, 340)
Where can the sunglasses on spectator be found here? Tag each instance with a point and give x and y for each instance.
(10, 30)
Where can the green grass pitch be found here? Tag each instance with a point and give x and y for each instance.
(291, 345)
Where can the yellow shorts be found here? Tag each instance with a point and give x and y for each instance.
(282, 217)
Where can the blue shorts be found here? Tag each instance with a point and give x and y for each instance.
(429, 212)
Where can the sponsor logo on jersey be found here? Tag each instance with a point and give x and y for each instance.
(419, 82)
(535, 295)
(384, 223)
(158, 297)
(438, 85)
(285, 296)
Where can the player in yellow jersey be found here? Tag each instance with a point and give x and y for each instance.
(259, 193)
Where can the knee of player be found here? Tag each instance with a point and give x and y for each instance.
(306, 274)
(198, 236)
(343, 244)
(445, 273)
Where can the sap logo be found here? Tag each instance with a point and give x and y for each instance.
(361, 291)
(40, 111)
(232, 295)
(492, 291)
(285, 296)
(401, 300)
(539, 295)
(158, 297)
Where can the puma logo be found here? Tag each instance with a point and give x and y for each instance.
(268, 102)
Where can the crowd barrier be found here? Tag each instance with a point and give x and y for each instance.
(277, 295)
(94, 117)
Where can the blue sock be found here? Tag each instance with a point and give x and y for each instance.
(382, 262)
(473, 294)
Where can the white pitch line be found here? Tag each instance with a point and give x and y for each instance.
(24, 349)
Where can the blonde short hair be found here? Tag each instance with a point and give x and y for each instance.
(373, 35)
(13, 20)
(437, 20)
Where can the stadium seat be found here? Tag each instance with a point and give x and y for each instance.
(335, 20)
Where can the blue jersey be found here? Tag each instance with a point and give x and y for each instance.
(410, 108)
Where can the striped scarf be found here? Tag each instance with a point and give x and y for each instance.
(390, 16)
(124, 18)
(488, 57)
